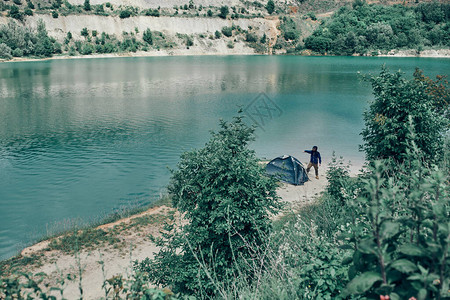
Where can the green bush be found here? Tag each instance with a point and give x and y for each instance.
(147, 36)
(30, 4)
(87, 5)
(5, 51)
(226, 201)
(84, 32)
(217, 34)
(263, 39)
(152, 12)
(290, 35)
(189, 42)
(55, 14)
(312, 15)
(224, 12)
(270, 7)
(251, 37)
(15, 13)
(401, 240)
(400, 103)
(28, 12)
(209, 13)
(125, 14)
(17, 52)
(227, 31)
(318, 43)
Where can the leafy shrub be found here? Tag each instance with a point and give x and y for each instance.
(15, 13)
(227, 31)
(312, 15)
(226, 200)
(99, 10)
(152, 12)
(400, 103)
(56, 4)
(125, 14)
(263, 39)
(209, 13)
(189, 42)
(217, 34)
(318, 43)
(55, 14)
(87, 49)
(5, 51)
(339, 186)
(270, 6)
(290, 35)
(147, 36)
(17, 52)
(28, 12)
(84, 32)
(87, 5)
(30, 4)
(224, 12)
(251, 37)
(402, 243)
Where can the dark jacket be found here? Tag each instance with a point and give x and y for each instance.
(315, 156)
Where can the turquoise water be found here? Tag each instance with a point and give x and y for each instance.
(82, 138)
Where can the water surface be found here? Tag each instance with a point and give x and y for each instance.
(81, 138)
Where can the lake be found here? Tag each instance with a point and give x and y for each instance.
(82, 138)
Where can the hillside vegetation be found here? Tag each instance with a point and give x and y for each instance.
(366, 29)
(37, 28)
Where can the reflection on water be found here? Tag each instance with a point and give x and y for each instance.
(79, 138)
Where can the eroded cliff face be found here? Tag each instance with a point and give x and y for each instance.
(59, 27)
(159, 3)
(200, 29)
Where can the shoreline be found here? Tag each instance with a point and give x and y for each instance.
(294, 196)
(441, 53)
(125, 240)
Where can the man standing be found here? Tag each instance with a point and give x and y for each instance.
(315, 160)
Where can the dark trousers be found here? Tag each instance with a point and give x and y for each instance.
(316, 168)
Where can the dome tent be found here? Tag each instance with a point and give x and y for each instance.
(288, 169)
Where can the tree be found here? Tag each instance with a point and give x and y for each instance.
(5, 51)
(125, 14)
(270, 7)
(224, 12)
(84, 32)
(263, 39)
(147, 36)
(87, 5)
(399, 101)
(227, 31)
(15, 13)
(226, 200)
(209, 13)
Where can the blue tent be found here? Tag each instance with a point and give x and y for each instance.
(288, 169)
